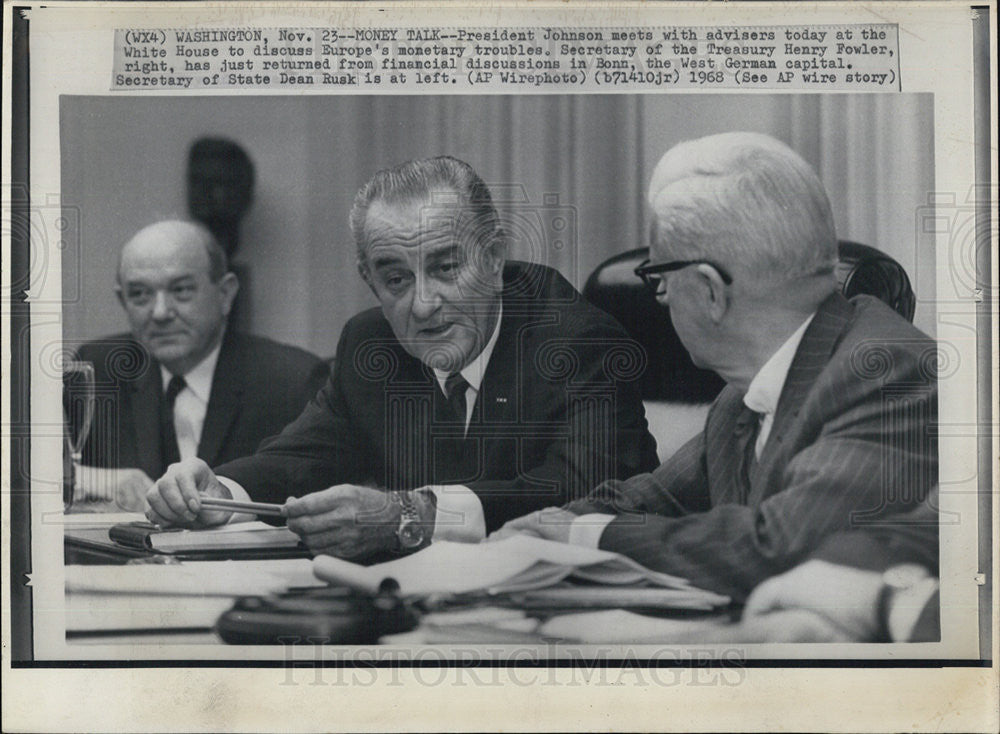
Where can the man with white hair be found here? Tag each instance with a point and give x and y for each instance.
(181, 384)
(825, 423)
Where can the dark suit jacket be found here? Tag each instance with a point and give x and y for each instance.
(558, 411)
(851, 445)
(912, 538)
(258, 387)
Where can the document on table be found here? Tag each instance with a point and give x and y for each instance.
(520, 562)
(620, 626)
(199, 578)
(242, 536)
(153, 596)
(106, 519)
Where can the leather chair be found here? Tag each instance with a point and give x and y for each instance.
(670, 374)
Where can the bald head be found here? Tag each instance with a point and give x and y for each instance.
(174, 237)
(177, 294)
(747, 201)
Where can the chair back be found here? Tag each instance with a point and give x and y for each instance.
(670, 374)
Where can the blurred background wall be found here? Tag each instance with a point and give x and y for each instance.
(568, 171)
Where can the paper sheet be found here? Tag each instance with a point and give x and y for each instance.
(203, 578)
(447, 567)
(107, 612)
(617, 625)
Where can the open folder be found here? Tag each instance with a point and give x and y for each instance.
(517, 563)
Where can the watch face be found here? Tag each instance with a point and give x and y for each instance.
(410, 534)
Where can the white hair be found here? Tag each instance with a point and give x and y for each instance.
(747, 202)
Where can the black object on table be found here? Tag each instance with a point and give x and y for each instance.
(327, 616)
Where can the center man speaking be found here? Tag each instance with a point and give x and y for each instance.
(487, 385)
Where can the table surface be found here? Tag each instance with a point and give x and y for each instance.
(176, 619)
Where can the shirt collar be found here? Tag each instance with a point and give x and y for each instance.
(199, 378)
(765, 388)
(474, 371)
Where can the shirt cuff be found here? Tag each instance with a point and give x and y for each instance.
(240, 495)
(459, 516)
(906, 608)
(586, 530)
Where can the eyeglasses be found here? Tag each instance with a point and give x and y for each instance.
(648, 273)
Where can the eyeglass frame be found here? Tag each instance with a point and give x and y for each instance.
(644, 270)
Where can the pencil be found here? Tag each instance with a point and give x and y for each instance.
(258, 508)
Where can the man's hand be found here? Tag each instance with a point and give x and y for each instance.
(346, 521)
(791, 625)
(111, 490)
(175, 498)
(826, 597)
(552, 523)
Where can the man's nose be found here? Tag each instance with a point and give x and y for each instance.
(163, 308)
(426, 297)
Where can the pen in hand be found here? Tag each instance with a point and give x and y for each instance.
(257, 508)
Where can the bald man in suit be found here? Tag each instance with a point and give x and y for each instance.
(181, 384)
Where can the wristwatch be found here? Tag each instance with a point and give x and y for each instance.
(410, 533)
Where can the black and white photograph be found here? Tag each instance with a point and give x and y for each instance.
(419, 354)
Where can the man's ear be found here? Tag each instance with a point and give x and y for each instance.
(715, 292)
(496, 254)
(229, 285)
(120, 294)
(366, 274)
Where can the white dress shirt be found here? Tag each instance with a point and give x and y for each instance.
(765, 388)
(191, 403)
(459, 516)
(762, 397)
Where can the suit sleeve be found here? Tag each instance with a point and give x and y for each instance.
(868, 462)
(599, 443)
(318, 449)
(677, 487)
(911, 538)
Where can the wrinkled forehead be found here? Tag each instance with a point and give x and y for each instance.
(427, 220)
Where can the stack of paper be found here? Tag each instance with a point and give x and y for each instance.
(516, 563)
(171, 596)
(241, 536)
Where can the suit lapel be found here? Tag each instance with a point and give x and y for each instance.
(811, 358)
(499, 390)
(144, 409)
(723, 442)
(224, 402)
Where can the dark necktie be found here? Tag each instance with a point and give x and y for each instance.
(455, 388)
(747, 431)
(168, 434)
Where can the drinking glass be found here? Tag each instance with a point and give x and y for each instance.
(78, 401)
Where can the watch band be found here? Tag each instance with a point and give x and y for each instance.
(410, 532)
(408, 508)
